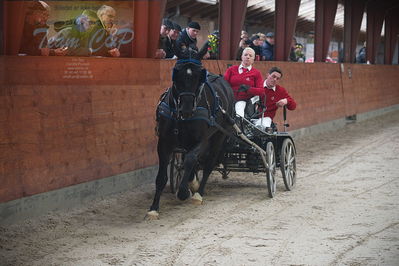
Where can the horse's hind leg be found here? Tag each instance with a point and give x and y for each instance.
(164, 152)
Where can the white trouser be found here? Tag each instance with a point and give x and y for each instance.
(240, 108)
(262, 122)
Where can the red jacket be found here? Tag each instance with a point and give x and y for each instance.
(272, 97)
(252, 78)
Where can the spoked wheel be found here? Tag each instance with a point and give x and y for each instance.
(271, 170)
(176, 170)
(288, 164)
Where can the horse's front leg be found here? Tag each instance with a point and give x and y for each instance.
(216, 148)
(190, 161)
(164, 152)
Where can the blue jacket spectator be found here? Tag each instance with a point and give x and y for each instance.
(268, 47)
(361, 57)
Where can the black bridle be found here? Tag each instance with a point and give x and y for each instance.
(195, 96)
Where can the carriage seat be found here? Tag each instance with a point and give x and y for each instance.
(252, 113)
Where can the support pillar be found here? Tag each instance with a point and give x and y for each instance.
(324, 23)
(231, 20)
(2, 29)
(13, 17)
(147, 23)
(354, 10)
(375, 19)
(391, 34)
(285, 21)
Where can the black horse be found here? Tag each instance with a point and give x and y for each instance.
(194, 115)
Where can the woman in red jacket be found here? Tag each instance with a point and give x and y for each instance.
(245, 80)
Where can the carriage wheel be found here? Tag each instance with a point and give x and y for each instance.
(176, 170)
(271, 170)
(288, 164)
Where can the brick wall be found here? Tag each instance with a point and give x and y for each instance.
(65, 120)
(59, 127)
(368, 87)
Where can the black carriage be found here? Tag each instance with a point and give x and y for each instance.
(250, 149)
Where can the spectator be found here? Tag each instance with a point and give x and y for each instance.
(243, 44)
(87, 35)
(107, 15)
(276, 96)
(256, 47)
(245, 80)
(293, 56)
(166, 27)
(170, 42)
(188, 39)
(244, 35)
(34, 37)
(262, 38)
(361, 57)
(268, 47)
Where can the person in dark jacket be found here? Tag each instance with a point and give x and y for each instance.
(243, 44)
(255, 40)
(361, 57)
(268, 47)
(166, 27)
(293, 56)
(188, 39)
(170, 41)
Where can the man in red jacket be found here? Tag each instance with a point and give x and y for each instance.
(276, 96)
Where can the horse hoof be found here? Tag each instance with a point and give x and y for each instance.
(152, 215)
(194, 185)
(183, 195)
(225, 176)
(196, 199)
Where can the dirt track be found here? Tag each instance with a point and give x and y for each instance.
(343, 211)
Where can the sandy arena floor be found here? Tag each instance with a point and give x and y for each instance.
(343, 211)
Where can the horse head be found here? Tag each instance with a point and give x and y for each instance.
(188, 80)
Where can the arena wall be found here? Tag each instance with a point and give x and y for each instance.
(66, 120)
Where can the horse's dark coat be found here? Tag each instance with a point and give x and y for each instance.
(186, 118)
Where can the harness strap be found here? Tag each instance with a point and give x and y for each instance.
(183, 61)
(216, 105)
